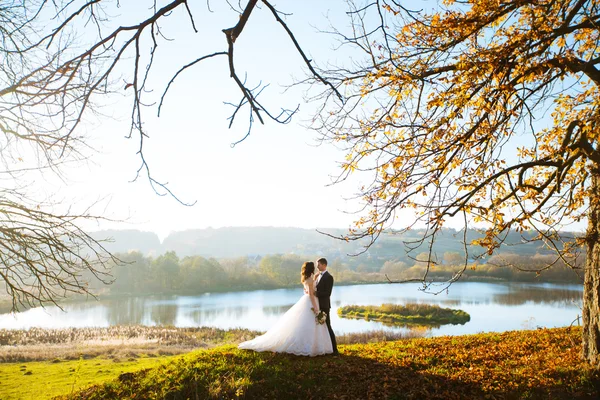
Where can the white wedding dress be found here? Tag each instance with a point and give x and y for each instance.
(296, 332)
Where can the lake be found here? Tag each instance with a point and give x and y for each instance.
(492, 306)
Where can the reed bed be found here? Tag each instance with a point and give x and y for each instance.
(37, 344)
(127, 342)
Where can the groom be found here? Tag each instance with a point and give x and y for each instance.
(323, 292)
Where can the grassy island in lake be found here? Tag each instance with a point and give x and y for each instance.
(408, 314)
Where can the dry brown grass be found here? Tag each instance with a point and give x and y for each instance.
(377, 336)
(119, 342)
(130, 342)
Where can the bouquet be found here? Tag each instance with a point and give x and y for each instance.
(320, 317)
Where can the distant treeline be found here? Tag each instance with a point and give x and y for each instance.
(168, 273)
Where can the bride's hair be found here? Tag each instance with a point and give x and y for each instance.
(307, 270)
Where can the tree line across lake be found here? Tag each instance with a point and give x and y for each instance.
(169, 273)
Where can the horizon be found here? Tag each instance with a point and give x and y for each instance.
(315, 230)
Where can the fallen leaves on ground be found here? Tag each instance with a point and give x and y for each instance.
(543, 363)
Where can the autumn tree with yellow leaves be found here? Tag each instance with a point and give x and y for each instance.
(483, 110)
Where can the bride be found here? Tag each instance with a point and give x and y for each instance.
(297, 332)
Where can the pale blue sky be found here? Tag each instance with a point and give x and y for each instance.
(277, 177)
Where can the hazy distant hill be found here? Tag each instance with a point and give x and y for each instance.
(249, 241)
(243, 241)
(124, 241)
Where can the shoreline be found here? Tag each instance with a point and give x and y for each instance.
(6, 304)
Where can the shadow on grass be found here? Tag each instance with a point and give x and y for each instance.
(353, 377)
(231, 373)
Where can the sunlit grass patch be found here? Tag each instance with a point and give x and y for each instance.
(46, 379)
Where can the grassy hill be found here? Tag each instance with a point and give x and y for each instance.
(536, 364)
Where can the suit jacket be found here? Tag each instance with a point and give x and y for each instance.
(323, 292)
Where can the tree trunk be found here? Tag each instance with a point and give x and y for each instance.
(591, 289)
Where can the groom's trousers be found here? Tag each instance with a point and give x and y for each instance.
(331, 334)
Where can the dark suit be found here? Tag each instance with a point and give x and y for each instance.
(323, 293)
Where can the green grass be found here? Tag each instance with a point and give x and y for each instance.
(46, 379)
(539, 364)
(513, 365)
(409, 314)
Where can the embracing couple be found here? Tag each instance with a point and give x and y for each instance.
(305, 329)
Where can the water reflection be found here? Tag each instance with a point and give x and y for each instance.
(129, 311)
(203, 317)
(163, 314)
(492, 306)
(558, 297)
(276, 310)
(196, 316)
(404, 325)
(429, 299)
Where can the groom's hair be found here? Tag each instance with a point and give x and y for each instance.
(322, 261)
